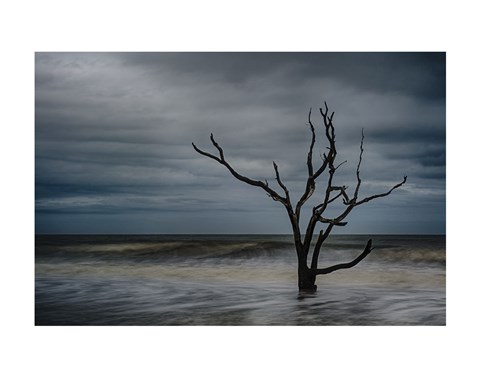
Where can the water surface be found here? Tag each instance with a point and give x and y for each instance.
(235, 280)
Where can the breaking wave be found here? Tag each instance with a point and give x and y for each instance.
(398, 249)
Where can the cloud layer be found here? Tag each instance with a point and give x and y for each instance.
(114, 131)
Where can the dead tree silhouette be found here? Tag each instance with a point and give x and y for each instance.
(308, 269)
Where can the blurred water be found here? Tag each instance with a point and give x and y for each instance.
(235, 280)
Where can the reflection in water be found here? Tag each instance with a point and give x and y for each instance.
(234, 281)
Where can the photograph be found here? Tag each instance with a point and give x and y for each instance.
(240, 188)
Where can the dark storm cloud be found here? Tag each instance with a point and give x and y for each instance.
(113, 132)
(421, 75)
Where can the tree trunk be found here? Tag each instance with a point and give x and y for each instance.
(306, 278)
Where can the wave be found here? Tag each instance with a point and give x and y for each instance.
(166, 249)
(148, 248)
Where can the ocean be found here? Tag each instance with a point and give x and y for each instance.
(236, 280)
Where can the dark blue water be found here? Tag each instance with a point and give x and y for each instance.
(235, 280)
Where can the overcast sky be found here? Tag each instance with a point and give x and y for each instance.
(113, 134)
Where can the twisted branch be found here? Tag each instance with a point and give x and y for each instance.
(221, 160)
(279, 181)
(359, 181)
(324, 271)
(367, 199)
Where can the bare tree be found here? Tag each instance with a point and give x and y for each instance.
(307, 272)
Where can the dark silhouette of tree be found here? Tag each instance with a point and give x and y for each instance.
(307, 272)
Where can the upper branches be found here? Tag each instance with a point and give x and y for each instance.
(328, 158)
(342, 191)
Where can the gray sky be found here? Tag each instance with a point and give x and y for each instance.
(113, 135)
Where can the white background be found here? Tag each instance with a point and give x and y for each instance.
(29, 26)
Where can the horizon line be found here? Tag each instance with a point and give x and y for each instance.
(233, 234)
